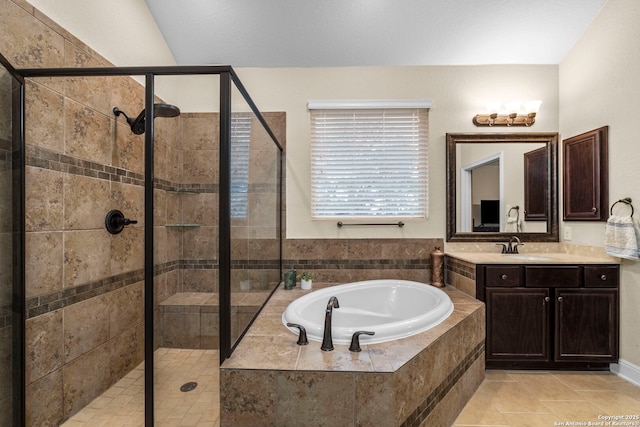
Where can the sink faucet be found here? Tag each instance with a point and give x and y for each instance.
(327, 341)
(511, 247)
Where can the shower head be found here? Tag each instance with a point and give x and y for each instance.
(159, 110)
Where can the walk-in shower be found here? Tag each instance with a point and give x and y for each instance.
(205, 254)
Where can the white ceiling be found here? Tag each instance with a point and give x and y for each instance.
(306, 33)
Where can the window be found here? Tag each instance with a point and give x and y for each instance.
(240, 141)
(370, 161)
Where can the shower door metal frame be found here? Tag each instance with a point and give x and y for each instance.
(18, 164)
(227, 76)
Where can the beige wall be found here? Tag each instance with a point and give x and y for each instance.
(600, 85)
(457, 92)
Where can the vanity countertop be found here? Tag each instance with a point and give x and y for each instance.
(529, 258)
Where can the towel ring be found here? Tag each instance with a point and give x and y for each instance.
(517, 209)
(626, 201)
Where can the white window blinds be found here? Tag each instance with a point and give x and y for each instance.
(369, 163)
(240, 141)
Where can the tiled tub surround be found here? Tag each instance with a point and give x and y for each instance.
(351, 260)
(421, 380)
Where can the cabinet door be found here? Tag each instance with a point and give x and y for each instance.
(586, 325)
(585, 179)
(536, 167)
(517, 324)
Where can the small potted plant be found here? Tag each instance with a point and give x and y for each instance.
(305, 280)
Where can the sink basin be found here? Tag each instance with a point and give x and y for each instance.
(529, 257)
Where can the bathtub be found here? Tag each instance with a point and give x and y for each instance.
(392, 309)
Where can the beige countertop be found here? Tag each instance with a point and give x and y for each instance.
(529, 258)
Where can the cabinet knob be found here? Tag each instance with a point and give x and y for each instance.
(503, 277)
(603, 277)
(560, 299)
(547, 299)
(594, 209)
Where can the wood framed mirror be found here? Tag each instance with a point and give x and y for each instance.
(488, 189)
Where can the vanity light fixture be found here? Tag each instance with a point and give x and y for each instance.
(514, 113)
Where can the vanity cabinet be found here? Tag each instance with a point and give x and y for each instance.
(550, 316)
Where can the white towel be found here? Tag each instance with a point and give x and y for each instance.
(512, 225)
(621, 237)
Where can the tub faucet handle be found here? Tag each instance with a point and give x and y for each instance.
(302, 338)
(355, 340)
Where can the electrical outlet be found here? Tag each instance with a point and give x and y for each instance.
(567, 232)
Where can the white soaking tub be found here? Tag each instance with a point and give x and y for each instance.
(391, 308)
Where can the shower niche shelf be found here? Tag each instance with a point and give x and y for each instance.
(182, 225)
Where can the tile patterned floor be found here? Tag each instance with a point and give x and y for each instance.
(504, 399)
(549, 398)
(123, 404)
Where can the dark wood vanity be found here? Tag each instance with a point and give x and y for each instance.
(552, 316)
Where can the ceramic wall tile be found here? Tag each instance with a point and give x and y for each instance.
(86, 201)
(174, 165)
(44, 345)
(159, 159)
(45, 401)
(200, 166)
(200, 208)
(44, 257)
(44, 199)
(127, 250)
(202, 240)
(87, 133)
(199, 280)
(373, 400)
(87, 256)
(128, 148)
(44, 117)
(250, 399)
(126, 308)
(81, 388)
(126, 351)
(317, 398)
(200, 131)
(86, 326)
(129, 199)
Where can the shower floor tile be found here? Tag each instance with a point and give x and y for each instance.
(123, 403)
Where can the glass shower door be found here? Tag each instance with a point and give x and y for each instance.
(11, 318)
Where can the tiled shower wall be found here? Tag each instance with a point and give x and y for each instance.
(83, 286)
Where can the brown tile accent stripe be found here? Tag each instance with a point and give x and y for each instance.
(357, 264)
(47, 159)
(428, 405)
(42, 304)
(462, 268)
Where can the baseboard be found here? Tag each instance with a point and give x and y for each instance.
(627, 370)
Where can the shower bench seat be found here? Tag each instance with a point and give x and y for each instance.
(190, 319)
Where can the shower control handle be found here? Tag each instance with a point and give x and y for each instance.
(115, 221)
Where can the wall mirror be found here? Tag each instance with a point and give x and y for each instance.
(499, 185)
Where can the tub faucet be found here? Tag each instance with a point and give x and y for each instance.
(327, 341)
